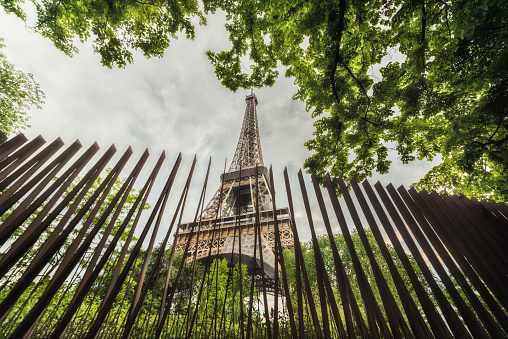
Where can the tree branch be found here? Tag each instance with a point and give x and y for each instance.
(359, 83)
(338, 139)
(424, 24)
(446, 15)
(499, 142)
(342, 12)
(145, 3)
(497, 128)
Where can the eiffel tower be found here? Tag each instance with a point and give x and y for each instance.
(232, 209)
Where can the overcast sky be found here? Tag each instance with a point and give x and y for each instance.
(174, 104)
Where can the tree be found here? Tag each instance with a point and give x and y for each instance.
(18, 92)
(446, 96)
(116, 27)
(443, 95)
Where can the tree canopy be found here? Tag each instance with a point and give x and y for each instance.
(442, 93)
(18, 93)
(116, 27)
(446, 96)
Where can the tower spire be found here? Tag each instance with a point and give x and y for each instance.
(248, 151)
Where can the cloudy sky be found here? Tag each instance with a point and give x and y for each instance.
(174, 104)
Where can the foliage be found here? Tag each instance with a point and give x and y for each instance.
(220, 295)
(488, 180)
(444, 94)
(324, 246)
(116, 27)
(67, 291)
(219, 306)
(18, 92)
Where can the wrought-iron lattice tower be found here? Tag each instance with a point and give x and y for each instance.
(232, 209)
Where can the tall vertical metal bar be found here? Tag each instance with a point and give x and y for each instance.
(9, 146)
(452, 319)
(405, 297)
(16, 190)
(255, 202)
(181, 202)
(277, 249)
(20, 176)
(240, 276)
(219, 216)
(301, 321)
(319, 260)
(33, 231)
(279, 260)
(452, 239)
(193, 255)
(189, 333)
(109, 299)
(263, 284)
(397, 323)
(298, 252)
(15, 160)
(373, 311)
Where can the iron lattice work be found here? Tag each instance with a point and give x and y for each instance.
(70, 266)
(245, 191)
(248, 151)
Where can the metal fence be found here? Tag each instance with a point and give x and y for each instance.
(72, 262)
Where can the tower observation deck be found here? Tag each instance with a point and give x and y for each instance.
(243, 198)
